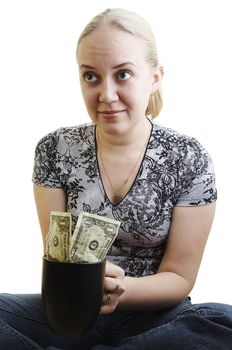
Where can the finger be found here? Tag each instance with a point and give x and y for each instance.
(112, 270)
(117, 285)
(110, 284)
(107, 309)
(107, 299)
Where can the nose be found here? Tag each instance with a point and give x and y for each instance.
(108, 92)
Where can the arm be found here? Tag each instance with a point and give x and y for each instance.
(46, 200)
(179, 266)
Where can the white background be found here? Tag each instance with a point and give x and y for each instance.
(39, 92)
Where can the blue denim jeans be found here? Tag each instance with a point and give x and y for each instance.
(23, 326)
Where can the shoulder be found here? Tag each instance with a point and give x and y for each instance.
(181, 153)
(58, 150)
(178, 145)
(67, 136)
(190, 164)
(170, 137)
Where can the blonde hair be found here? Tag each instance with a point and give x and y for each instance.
(132, 23)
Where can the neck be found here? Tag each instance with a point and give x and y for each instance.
(116, 142)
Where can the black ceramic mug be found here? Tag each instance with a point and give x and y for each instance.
(72, 295)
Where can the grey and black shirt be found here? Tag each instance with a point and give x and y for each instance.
(175, 171)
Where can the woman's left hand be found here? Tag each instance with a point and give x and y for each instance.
(114, 286)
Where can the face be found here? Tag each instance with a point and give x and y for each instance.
(116, 79)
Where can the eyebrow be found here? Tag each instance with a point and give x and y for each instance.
(115, 67)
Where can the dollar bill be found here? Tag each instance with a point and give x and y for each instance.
(59, 235)
(92, 237)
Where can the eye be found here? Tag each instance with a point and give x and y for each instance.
(90, 77)
(124, 75)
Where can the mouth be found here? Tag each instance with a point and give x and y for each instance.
(111, 112)
(111, 115)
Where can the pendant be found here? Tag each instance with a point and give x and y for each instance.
(117, 199)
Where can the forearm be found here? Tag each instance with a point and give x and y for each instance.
(164, 289)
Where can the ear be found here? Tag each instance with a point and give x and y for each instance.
(157, 73)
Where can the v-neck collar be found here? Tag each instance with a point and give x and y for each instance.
(137, 174)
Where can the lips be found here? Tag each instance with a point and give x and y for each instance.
(111, 112)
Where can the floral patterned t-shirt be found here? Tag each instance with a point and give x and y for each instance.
(175, 171)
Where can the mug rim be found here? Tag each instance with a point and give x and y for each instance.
(45, 258)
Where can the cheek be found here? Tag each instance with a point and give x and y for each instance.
(90, 98)
(139, 95)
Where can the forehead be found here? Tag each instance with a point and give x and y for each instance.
(111, 44)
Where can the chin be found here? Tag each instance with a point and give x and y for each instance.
(111, 128)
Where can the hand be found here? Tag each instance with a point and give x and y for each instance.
(114, 286)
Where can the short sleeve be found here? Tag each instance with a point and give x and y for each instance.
(45, 162)
(196, 176)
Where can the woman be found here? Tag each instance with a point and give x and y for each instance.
(158, 183)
